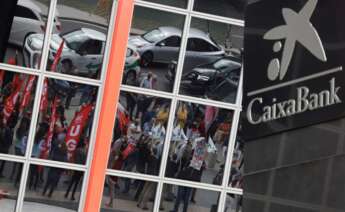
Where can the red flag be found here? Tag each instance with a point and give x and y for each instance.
(2, 75)
(44, 98)
(76, 128)
(10, 103)
(27, 92)
(48, 140)
(16, 81)
(57, 57)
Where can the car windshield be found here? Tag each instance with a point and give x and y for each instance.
(75, 39)
(153, 36)
(225, 63)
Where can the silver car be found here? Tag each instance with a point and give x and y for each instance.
(163, 44)
(82, 52)
(30, 18)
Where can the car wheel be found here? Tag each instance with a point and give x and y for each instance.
(131, 78)
(146, 59)
(66, 66)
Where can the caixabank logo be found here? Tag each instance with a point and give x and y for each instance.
(294, 59)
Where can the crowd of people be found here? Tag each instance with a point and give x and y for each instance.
(56, 137)
(199, 141)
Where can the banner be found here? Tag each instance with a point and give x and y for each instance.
(2, 75)
(44, 98)
(57, 57)
(199, 155)
(76, 128)
(27, 92)
(10, 103)
(53, 118)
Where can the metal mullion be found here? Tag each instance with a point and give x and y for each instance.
(236, 191)
(97, 110)
(240, 89)
(171, 119)
(57, 164)
(12, 158)
(35, 112)
(161, 7)
(145, 91)
(209, 102)
(70, 78)
(132, 175)
(18, 69)
(217, 18)
(165, 154)
(192, 184)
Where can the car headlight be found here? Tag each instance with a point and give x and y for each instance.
(203, 78)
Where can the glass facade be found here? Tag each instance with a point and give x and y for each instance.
(176, 141)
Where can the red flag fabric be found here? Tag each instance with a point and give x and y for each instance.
(48, 140)
(16, 81)
(57, 57)
(123, 119)
(44, 98)
(76, 128)
(2, 75)
(27, 92)
(10, 103)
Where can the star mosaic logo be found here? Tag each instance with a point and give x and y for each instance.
(298, 28)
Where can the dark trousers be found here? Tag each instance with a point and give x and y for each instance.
(34, 177)
(183, 194)
(77, 175)
(54, 175)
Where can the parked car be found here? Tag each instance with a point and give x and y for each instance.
(132, 66)
(163, 44)
(30, 18)
(206, 78)
(82, 52)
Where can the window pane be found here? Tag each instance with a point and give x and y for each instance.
(29, 22)
(65, 121)
(10, 177)
(155, 40)
(139, 198)
(212, 66)
(52, 189)
(83, 28)
(17, 97)
(231, 9)
(199, 142)
(175, 3)
(233, 203)
(139, 134)
(190, 199)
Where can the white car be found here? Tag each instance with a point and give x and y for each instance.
(29, 18)
(82, 53)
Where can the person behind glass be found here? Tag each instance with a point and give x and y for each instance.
(58, 153)
(6, 135)
(153, 169)
(134, 133)
(147, 82)
(36, 149)
(80, 158)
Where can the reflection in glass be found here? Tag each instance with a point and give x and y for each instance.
(232, 9)
(237, 165)
(52, 189)
(190, 199)
(65, 121)
(16, 102)
(199, 143)
(233, 203)
(139, 134)
(29, 20)
(140, 197)
(154, 43)
(213, 61)
(78, 46)
(175, 3)
(9, 185)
